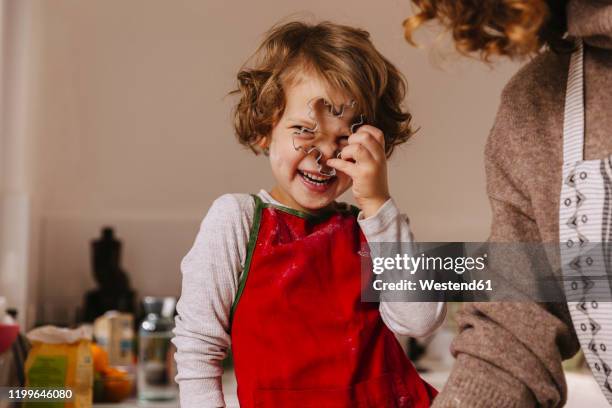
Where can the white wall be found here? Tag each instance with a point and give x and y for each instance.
(134, 130)
(19, 40)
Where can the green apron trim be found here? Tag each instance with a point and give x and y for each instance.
(259, 206)
(341, 208)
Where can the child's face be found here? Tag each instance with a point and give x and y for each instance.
(300, 183)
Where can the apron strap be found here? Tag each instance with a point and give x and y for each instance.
(573, 121)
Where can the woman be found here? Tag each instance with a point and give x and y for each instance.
(548, 180)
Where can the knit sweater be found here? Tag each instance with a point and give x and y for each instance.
(510, 354)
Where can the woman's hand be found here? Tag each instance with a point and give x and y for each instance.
(364, 160)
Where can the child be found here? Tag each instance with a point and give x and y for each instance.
(278, 273)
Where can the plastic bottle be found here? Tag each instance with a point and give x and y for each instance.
(156, 367)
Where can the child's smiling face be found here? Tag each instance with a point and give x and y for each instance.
(300, 183)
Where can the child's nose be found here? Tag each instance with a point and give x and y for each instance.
(330, 145)
(329, 149)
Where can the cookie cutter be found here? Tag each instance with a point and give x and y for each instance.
(328, 110)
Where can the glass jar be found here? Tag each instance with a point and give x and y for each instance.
(156, 366)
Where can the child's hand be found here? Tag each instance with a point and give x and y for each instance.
(364, 160)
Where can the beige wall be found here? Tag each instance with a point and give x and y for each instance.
(134, 129)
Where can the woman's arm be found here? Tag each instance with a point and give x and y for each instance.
(511, 353)
(211, 272)
(415, 319)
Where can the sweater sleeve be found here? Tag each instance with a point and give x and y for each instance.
(509, 353)
(415, 319)
(211, 271)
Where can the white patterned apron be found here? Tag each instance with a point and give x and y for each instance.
(585, 223)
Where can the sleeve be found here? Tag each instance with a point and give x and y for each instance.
(210, 271)
(415, 319)
(510, 353)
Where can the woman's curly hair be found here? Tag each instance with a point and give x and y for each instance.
(343, 57)
(512, 28)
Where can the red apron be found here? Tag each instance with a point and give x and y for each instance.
(301, 336)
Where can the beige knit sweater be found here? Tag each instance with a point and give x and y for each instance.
(509, 354)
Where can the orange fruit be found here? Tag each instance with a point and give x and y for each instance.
(117, 385)
(100, 358)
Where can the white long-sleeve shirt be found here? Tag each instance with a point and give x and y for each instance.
(211, 274)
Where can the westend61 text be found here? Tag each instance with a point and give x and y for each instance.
(432, 285)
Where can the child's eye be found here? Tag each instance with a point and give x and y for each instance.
(302, 130)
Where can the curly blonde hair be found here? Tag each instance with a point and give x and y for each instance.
(346, 60)
(512, 28)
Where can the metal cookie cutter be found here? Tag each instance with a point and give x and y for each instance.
(319, 110)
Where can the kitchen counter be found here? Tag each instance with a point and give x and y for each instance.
(229, 389)
(583, 391)
(136, 403)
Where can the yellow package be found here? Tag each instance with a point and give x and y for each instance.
(60, 359)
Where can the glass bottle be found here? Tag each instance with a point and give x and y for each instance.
(156, 367)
